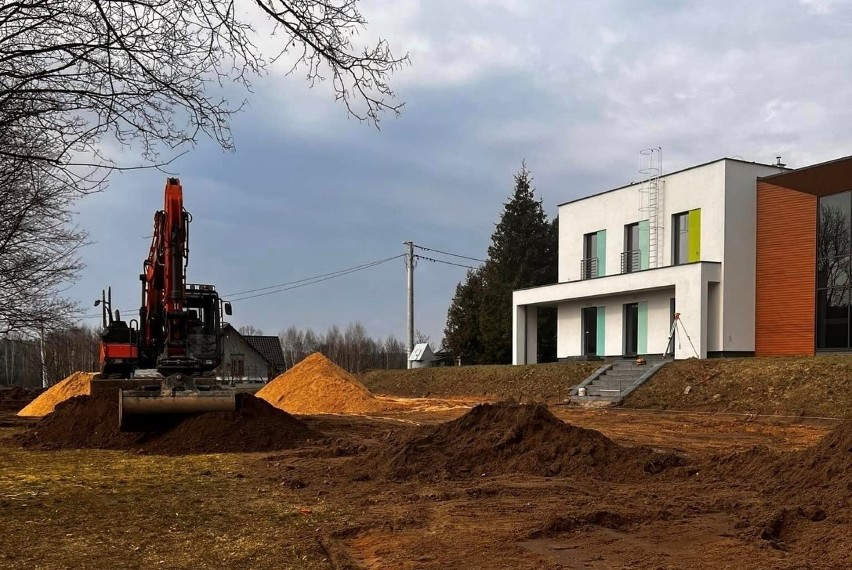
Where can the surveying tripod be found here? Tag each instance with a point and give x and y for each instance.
(673, 332)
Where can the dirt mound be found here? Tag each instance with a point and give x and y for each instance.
(506, 437)
(254, 426)
(318, 386)
(92, 422)
(818, 476)
(77, 384)
(822, 473)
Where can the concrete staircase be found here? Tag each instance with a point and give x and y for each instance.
(614, 381)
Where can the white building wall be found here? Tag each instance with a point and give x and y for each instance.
(740, 252)
(701, 187)
(570, 327)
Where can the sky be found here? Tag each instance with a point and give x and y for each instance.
(576, 89)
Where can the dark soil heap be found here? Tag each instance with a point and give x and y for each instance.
(15, 397)
(822, 473)
(506, 437)
(92, 422)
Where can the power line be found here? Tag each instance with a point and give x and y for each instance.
(317, 280)
(289, 285)
(330, 275)
(448, 253)
(445, 262)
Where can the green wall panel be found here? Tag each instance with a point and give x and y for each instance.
(694, 246)
(601, 253)
(644, 244)
(642, 326)
(601, 328)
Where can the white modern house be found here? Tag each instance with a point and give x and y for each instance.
(629, 258)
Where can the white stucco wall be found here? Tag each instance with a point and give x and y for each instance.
(690, 284)
(737, 294)
(570, 330)
(701, 187)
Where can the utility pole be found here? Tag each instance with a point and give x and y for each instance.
(409, 264)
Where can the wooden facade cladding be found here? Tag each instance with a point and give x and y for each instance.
(786, 271)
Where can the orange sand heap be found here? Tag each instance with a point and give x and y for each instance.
(77, 384)
(318, 386)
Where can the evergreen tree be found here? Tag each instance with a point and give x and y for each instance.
(462, 336)
(522, 254)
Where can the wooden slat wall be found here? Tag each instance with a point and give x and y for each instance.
(786, 271)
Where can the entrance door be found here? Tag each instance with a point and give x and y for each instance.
(590, 331)
(631, 329)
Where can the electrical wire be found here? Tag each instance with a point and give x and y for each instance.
(315, 281)
(288, 285)
(330, 275)
(445, 262)
(423, 247)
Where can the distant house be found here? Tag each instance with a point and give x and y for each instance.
(421, 356)
(249, 358)
(444, 358)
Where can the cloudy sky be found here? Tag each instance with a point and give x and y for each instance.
(576, 88)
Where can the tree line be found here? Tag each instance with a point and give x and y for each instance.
(523, 253)
(351, 348)
(64, 352)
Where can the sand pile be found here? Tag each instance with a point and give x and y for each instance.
(506, 437)
(318, 386)
(77, 384)
(92, 422)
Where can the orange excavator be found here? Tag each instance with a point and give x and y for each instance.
(162, 363)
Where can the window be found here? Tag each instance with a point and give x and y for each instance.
(834, 268)
(686, 237)
(680, 238)
(237, 366)
(631, 259)
(593, 263)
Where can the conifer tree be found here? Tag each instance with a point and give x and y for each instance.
(522, 254)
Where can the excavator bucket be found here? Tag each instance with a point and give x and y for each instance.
(163, 406)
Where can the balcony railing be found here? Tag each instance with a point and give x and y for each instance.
(631, 261)
(589, 268)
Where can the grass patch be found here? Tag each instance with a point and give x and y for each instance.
(800, 386)
(537, 382)
(107, 509)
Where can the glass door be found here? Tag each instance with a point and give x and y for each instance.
(590, 331)
(631, 329)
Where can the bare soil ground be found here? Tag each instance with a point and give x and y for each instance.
(316, 506)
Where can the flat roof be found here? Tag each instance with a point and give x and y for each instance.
(670, 174)
(820, 179)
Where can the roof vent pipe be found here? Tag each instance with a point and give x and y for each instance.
(779, 163)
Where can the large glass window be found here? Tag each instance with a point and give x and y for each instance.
(834, 268)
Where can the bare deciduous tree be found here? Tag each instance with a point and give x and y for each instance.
(38, 241)
(250, 330)
(152, 75)
(157, 72)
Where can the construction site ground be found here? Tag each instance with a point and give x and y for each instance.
(310, 507)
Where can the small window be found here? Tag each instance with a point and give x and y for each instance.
(593, 263)
(680, 238)
(631, 259)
